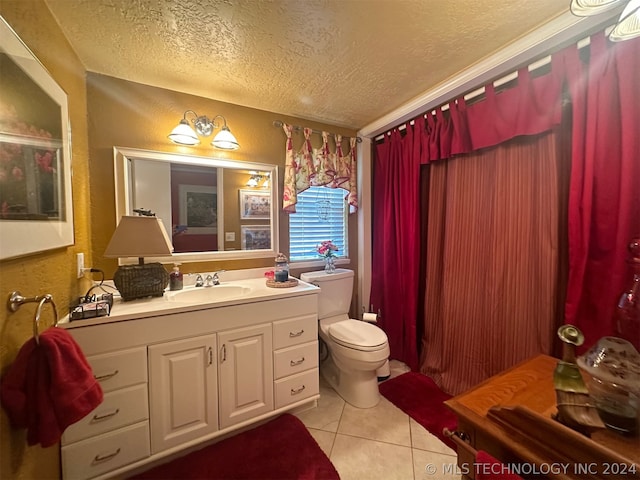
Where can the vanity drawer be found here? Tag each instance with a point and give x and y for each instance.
(120, 369)
(107, 452)
(296, 387)
(295, 331)
(120, 408)
(299, 358)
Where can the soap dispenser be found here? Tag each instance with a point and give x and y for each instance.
(175, 278)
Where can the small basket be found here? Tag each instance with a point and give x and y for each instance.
(292, 282)
(141, 280)
(92, 307)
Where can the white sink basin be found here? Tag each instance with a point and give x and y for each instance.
(217, 293)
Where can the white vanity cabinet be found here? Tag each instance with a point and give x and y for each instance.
(116, 433)
(246, 374)
(295, 359)
(178, 376)
(182, 391)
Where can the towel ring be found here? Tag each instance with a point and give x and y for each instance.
(36, 319)
(16, 300)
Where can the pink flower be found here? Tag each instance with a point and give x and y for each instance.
(327, 248)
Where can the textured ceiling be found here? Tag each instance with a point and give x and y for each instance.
(341, 62)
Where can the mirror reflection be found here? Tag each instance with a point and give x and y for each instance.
(212, 208)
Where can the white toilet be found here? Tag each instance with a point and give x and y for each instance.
(357, 349)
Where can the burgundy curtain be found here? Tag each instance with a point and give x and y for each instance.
(396, 243)
(396, 258)
(604, 201)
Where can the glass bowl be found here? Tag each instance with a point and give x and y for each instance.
(612, 368)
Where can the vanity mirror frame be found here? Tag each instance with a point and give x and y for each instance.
(123, 156)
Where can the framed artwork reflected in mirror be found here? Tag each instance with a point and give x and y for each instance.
(255, 204)
(255, 237)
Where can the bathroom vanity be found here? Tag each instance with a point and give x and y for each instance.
(181, 370)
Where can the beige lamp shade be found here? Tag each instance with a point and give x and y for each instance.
(139, 237)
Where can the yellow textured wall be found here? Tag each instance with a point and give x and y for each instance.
(128, 114)
(52, 271)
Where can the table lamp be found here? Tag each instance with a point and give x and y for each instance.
(140, 237)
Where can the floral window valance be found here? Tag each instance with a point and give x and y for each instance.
(311, 167)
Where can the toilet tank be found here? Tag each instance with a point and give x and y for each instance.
(335, 291)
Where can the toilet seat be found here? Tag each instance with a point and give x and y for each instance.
(357, 335)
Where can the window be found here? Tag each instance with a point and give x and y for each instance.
(321, 214)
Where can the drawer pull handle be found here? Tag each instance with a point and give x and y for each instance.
(98, 458)
(296, 334)
(294, 363)
(106, 376)
(295, 391)
(97, 417)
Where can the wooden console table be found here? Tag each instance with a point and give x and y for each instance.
(510, 417)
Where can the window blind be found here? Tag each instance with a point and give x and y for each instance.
(321, 214)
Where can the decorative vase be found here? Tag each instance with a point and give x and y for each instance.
(612, 366)
(329, 266)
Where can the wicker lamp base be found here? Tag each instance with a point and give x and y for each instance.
(140, 281)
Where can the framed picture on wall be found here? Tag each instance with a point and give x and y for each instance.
(255, 237)
(255, 204)
(36, 207)
(198, 209)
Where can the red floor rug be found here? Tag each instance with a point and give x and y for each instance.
(278, 450)
(420, 398)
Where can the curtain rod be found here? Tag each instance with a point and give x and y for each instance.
(585, 42)
(298, 128)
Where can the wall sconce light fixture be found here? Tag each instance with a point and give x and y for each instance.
(253, 181)
(183, 134)
(256, 178)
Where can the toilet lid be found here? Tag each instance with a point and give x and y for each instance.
(357, 335)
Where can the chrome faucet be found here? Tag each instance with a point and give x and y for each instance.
(210, 280)
(213, 279)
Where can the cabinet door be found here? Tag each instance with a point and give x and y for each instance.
(183, 391)
(246, 374)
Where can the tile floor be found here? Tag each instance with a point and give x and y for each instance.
(376, 443)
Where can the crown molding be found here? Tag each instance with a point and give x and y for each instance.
(557, 33)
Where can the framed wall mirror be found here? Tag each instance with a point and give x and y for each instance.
(200, 203)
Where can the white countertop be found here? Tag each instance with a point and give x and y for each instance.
(156, 306)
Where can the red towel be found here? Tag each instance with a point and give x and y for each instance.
(48, 387)
(488, 468)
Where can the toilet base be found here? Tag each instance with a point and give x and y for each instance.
(358, 388)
